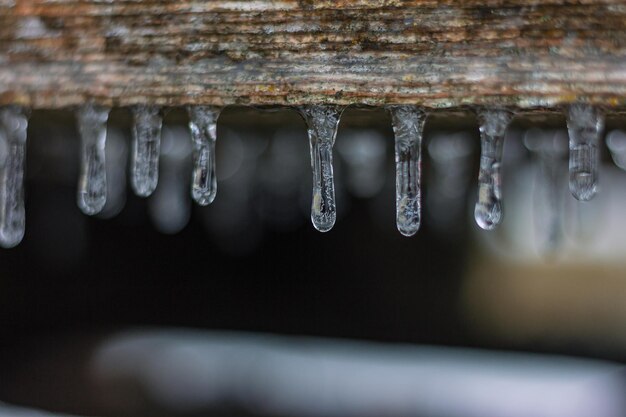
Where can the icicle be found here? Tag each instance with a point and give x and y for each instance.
(408, 125)
(116, 153)
(146, 146)
(584, 124)
(322, 122)
(488, 210)
(203, 127)
(13, 123)
(92, 184)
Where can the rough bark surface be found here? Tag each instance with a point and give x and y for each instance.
(440, 54)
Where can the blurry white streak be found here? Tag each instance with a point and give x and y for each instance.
(116, 151)
(169, 206)
(13, 411)
(364, 152)
(549, 149)
(616, 142)
(190, 371)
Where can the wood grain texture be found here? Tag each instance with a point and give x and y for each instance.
(440, 54)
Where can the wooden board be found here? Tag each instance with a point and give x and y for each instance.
(439, 54)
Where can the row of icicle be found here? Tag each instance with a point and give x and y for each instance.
(584, 124)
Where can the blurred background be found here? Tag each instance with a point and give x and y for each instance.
(161, 307)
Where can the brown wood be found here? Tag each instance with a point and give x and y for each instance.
(440, 54)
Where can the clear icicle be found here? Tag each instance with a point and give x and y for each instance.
(322, 122)
(584, 124)
(147, 123)
(408, 125)
(92, 184)
(203, 128)
(488, 210)
(13, 124)
(116, 152)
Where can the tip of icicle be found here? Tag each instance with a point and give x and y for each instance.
(407, 232)
(202, 198)
(583, 187)
(143, 190)
(487, 219)
(323, 225)
(91, 208)
(8, 241)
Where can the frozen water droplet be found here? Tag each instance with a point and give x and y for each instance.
(322, 122)
(147, 123)
(92, 183)
(203, 128)
(584, 124)
(488, 210)
(13, 124)
(408, 125)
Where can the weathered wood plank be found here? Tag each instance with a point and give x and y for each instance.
(440, 54)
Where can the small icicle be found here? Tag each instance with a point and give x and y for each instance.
(92, 183)
(147, 123)
(13, 123)
(203, 128)
(116, 153)
(322, 122)
(408, 125)
(493, 124)
(584, 124)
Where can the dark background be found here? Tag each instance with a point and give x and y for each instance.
(73, 279)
